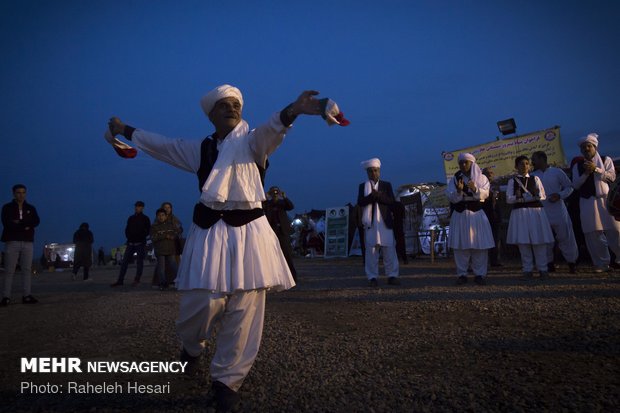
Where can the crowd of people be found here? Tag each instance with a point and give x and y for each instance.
(238, 245)
(539, 217)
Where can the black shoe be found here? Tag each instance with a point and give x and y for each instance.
(551, 267)
(116, 284)
(393, 281)
(572, 268)
(191, 367)
(528, 275)
(461, 280)
(29, 300)
(373, 282)
(544, 275)
(5, 301)
(614, 265)
(479, 279)
(226, 399)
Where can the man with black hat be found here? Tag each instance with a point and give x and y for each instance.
(136, 231)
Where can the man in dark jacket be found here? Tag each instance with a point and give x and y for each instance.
(137, 229)
(19, 219)
(83, 256)
(275, 208)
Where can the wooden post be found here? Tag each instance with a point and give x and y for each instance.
(432, 246)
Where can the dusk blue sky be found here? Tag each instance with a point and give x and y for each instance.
(415, 78)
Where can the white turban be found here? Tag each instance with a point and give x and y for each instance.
(225, 91)
(467, 157)
(591, 138)
(371, 163)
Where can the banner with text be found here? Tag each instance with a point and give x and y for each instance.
(500, 154)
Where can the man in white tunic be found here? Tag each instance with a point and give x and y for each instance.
(376, 198)
(558, 187)
(591, 178)
(470, 231)
(231, 256)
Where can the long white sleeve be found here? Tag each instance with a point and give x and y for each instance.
(184, 154)
(265, 139)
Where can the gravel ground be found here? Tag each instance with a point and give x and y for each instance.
(333, 344)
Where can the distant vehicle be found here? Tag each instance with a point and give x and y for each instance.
(150, 252)
(58, 255)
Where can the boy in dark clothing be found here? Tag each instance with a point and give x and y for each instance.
(164, 234)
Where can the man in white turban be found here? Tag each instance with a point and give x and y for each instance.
(376, 198)
(231, 256)
(470, 232)
(591, 178)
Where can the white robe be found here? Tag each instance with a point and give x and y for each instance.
(555, 181)
(224, 258)
(593, 211)
(468, 229)
(376, 233)
(528, 225)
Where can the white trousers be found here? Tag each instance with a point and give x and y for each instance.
(599, 243)
(479, 260)
(239, 320)
(18, 251)
(565, 238)
(390, 261)
(531, 252)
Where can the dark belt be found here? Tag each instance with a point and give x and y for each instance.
(206, 217)
(473, 206)
(533, 204)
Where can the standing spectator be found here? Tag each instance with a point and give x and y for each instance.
(493, 213)
(275, 207)
(137, 229)
(470, 231)
(83, 256)
(178, 242)
(231, 256)
(100, 256)
(118, 256)
(376, 199)
(591, 178)
(558, 187)
(19, 220)
(163, 233)
(528, 226)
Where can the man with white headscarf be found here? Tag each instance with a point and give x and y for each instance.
(470, 232)
(591, 178)
(231, 255)
(376, 198)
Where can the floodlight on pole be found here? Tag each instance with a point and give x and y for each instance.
(507, 126)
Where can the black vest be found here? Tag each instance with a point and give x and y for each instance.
(208, 156)
(463, 205)
(206, 217)
(530, 185)
(587, 189)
